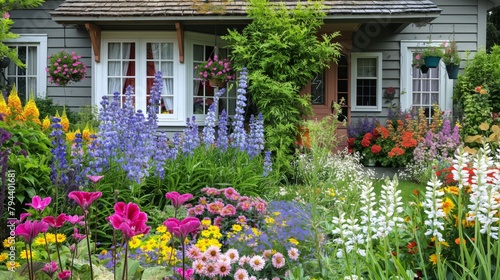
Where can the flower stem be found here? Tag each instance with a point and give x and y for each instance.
(57, 250)
(125, 263)
(87, 231)
(47, 245)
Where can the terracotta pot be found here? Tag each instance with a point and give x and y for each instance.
(217, 83)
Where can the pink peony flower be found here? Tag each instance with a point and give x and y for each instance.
(39, 204)
(178, 199)
(129, 219)
(84, 199)
(30, 229)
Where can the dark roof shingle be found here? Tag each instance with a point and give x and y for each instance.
(200, 8)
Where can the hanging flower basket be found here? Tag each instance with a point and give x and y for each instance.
(424, 69)
(65, 67)
(217, 83)
(432, 61)
(452, 71)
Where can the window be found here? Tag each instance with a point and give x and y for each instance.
(366, 82)
(32, 51)
(318, 89)
(420, 90)
(203, 93)
(134, 62)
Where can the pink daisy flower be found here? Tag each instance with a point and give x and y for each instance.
(245, 205)
(278, 260)
(252, 278)
(198, 209)
(199, 267)
(218, 221)
(233, 255)
(215, 207)
(293, 253)
(230, 192)
(243, 260)
(257, 263)
(223, 268)
(228, 210)
(202, 200)
(212, 253)
(242, 220)
(261, 207)
(224, 258)
(267, 254)
(193, 252)
(241, 274)
(210, 269)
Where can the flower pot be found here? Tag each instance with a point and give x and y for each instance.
(452, 71)
(217, 83)
(432, 61)
(424, 69)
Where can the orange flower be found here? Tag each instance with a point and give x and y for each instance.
(365, 142)
(477, 89)
(396, 151)
(383, 131)
(376, 149)
(448, 205)
(457, 241)
(433, 259)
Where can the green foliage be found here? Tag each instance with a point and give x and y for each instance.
(481, 70)
(78, 120)
(211, 168)
(282, 53)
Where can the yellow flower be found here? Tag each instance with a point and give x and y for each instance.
(134, 243)
(277, 213)
(60, 238)
(433, 259)
(4, 109)
(39, 241)
(452, 190)
(25, 253)
(30, 112)
(3, 257)
(206, 222)
(103, 252)
(64, 121)
(86, 135)
(236, 228)
(331, 192)
(256, 232)
(448, 206)
(293, 241)
(70, 136)
(161, 229)
(9, 241)
(14, 102)
(269, 220)
(12, 265)
(46, 123)
(51, 238)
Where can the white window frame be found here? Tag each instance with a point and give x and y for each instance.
(354, 76)
(100, 72)
(408, 47)
(39, 40)
(191, 39)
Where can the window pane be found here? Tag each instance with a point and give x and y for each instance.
(366, 90)
(198, 53)
(114, 68)
(367, 67)
(167, 68)
(167, 51)
(114, 50)
(318, 89)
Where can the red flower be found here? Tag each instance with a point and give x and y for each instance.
(412, 247)
(365, 142)
(376, 149)
(396, 151)
(383, 131)
(368, 136)
(350, 141)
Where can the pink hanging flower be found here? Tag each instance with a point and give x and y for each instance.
(181, 229)
(55, 222)
(39, 204)
(84, 199)
(129, 219)
(30, 229)
(178, 199)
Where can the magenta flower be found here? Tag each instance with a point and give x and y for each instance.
(30, 229)
(39, 204)
(178, 199)
(84, 199)
(50, 269)
(185, 274)
(94, 179)
(55, 222)
(181, 229)
(21, 218)
(77, 236)
(74, 219)
(129, 219)
(65, 275)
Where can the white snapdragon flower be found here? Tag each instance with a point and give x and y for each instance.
(433, 205)
(390, 209)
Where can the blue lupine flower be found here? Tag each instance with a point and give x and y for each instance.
(191, 139)
(160, 156)
(256, 138)
(208, 134)
(77, 159)
(59, 164)
(155, 98)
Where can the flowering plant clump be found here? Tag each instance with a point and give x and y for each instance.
(451, 56)
(216, 69)
(65, 67)
(418, 60)
(433, 51)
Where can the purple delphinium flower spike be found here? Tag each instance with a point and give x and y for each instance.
(268, 164)
(238, 137)
(155, 98)
(59, 164)
(77, 159)
(160, 156)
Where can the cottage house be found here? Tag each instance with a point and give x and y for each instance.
(125, 42)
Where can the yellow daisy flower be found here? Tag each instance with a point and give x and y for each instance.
(12, 265)
(3, 257)
(161, 229)
(135, 243)
(237, 228)
(433, 259)
(51, 238)
(293, 241)
(60, 238)
(9, 241)
(25, 253)
(39, 241)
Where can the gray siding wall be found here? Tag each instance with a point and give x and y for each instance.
(465, 20)
(71, 38)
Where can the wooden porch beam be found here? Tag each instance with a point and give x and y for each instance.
(95, 37)
(180, 41)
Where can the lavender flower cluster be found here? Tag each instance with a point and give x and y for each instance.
(440, 146)
(361, 127)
